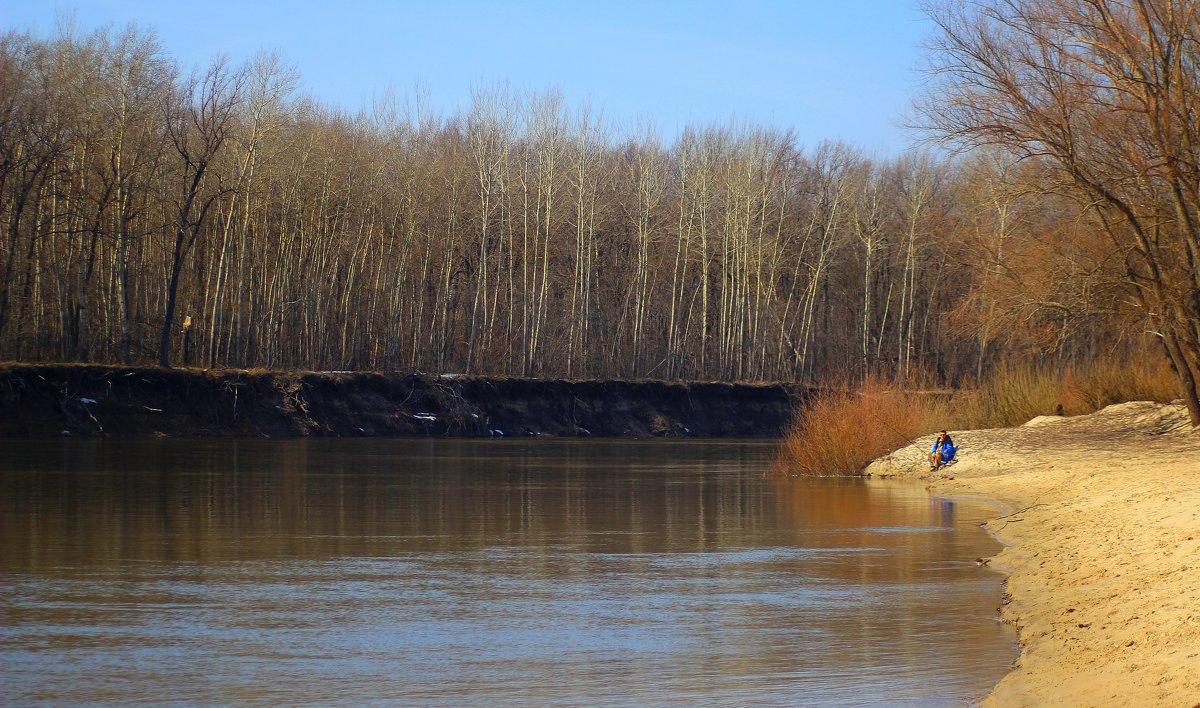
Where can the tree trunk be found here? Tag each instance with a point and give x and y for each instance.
(164, 346)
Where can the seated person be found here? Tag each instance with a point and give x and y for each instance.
(943, 451)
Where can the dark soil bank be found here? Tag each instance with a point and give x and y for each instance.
(86, 400)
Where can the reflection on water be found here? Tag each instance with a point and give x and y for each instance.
(488, 572)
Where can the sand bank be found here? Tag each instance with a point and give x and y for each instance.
(1102, 534)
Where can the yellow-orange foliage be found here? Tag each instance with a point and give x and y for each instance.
(838, 433)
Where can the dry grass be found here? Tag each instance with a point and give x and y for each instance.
(838, 433)
(1012, 395)
(1116, 382)
(1017, 393)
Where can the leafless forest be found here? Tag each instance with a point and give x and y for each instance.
(216, 217)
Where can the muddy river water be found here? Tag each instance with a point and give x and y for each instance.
(535, 572)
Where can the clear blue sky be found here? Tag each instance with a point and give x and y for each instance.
(825, 68)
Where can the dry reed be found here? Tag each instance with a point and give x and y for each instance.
(1016, 393)
(839, 433)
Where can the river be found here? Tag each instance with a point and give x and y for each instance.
(517, 572)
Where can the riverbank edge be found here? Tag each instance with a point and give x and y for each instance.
(1071, 526)
(55, 400)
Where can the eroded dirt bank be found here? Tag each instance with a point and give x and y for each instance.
(56, 400)
(1103, 533)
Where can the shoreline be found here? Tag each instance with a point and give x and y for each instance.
(1099, 524)
(94, 400)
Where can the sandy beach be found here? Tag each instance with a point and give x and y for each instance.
(1101, 526)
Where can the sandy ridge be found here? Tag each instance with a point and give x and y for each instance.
(1102, 527)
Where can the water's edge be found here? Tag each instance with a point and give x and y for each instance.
(1003, 509)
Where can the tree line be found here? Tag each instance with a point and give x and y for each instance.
(217, 217)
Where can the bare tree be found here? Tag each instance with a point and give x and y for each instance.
(269, 83)
(489, 131)
(1107, 93)
(135, 81)
(32, 138)
(199, 118)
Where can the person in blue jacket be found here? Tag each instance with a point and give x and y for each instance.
(943, 451)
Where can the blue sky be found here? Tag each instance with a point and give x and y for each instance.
(826, 69)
